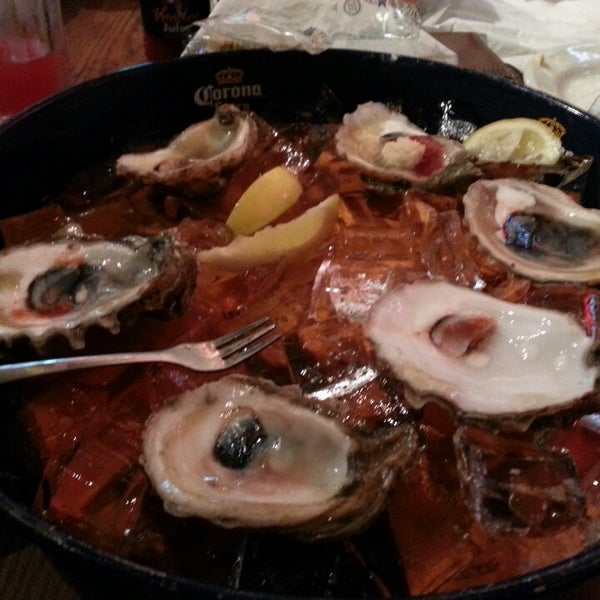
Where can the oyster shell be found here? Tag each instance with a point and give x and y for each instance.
(481, 354)
(244, 452)
(64, 287)
(196, 161)
(536, 230)
(386, 146)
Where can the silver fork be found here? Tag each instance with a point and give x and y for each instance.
(212, 355)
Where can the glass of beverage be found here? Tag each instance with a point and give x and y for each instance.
(33, 55)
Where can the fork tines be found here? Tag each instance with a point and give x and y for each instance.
(247, 341)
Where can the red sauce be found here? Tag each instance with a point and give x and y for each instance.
(433, 157)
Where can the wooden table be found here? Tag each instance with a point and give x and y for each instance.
(104, 36)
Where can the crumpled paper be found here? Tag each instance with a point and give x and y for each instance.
(387, 26)
(524, 32)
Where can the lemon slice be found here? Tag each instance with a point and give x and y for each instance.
(520, 140)
(275, 242)
(264, 200)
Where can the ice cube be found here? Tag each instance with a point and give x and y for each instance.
(513, 485)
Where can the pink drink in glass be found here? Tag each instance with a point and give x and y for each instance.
(29, 71)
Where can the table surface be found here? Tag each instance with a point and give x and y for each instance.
(104, 36)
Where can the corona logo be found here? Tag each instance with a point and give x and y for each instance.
(230, 87)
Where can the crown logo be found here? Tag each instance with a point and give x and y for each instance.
(229, 76)
(558, 129)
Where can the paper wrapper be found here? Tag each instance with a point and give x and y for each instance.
(534, 36)
(314, 26)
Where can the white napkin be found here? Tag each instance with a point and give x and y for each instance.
(530, 34)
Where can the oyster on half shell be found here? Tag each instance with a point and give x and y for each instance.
(483, 355)
(536, 230)
(244, 452)
(64, 287)
(198, 159)
(386, 146)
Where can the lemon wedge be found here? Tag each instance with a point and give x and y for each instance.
(519, 140)
(264, 200)
(275, 242)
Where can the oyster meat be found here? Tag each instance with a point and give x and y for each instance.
(244, 452)
(198, 159)
(481, 354)
(386, 146)
(64, 287)
(534, 229)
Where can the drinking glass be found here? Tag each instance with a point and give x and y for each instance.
(33, 56)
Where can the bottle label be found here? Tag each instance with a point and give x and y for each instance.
(172, 18)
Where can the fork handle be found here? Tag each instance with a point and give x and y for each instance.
(14, 372)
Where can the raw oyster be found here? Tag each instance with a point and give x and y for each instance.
(64, 287)
(481, 354)
(569, 172)
(386, 146)
(244, 452)
(197, 160)
(536, 230)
